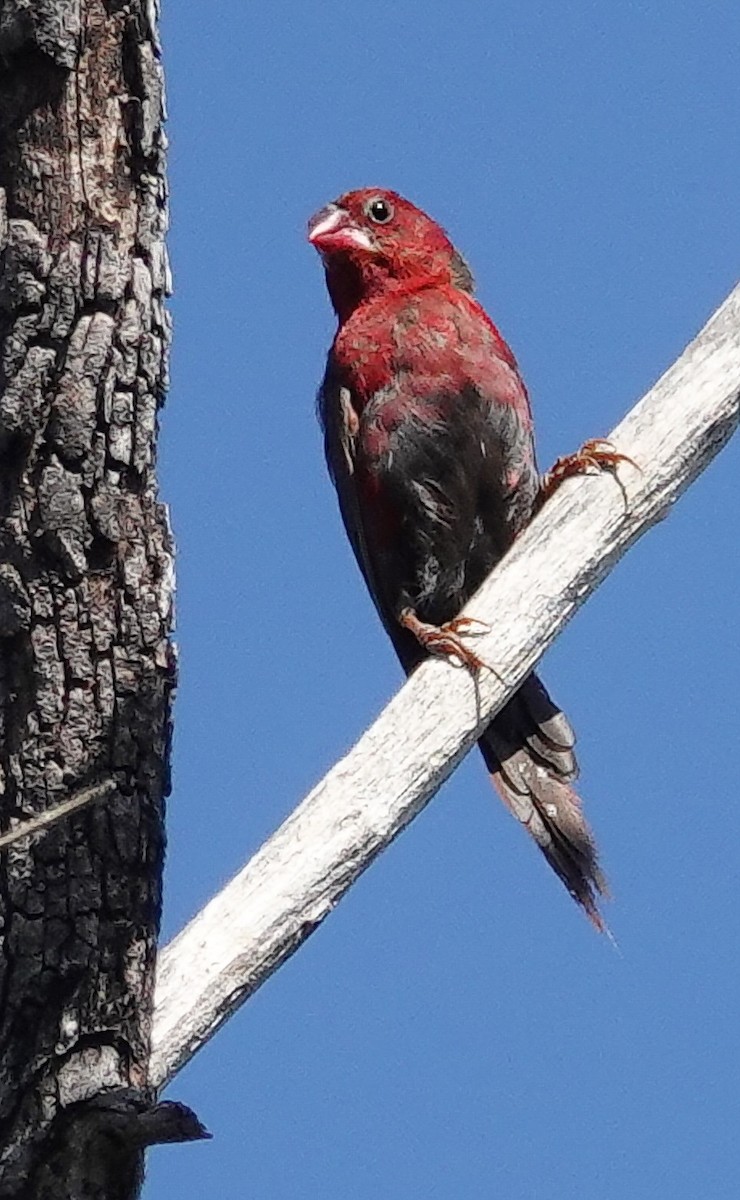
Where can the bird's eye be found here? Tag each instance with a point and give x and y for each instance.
(379, 211)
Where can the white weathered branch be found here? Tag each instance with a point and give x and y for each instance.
(263, 915)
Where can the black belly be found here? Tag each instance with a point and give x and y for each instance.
(444, 483)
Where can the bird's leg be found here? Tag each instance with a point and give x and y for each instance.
(596, 453)
(446, 640)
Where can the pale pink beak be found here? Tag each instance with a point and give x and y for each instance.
(331, 230)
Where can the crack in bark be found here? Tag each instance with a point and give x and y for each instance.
(86, 667)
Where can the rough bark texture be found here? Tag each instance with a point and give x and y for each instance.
(86, 668)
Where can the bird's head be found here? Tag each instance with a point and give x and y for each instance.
(373, 241)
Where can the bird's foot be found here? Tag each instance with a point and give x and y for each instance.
(446, 640)
(596, 454)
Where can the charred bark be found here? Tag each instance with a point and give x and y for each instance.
(86, 666)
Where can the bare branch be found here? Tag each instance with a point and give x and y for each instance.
(263, 915)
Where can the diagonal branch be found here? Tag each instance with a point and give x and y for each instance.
(235, 943)
(46, 819)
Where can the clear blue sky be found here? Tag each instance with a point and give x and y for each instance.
(456, 1030)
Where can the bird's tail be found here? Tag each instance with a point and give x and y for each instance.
(528, 749)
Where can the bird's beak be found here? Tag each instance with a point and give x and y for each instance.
(331, 230)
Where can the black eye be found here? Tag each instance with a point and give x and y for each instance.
(379, 211)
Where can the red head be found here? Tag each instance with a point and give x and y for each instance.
(373, 241)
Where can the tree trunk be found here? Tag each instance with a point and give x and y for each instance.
(86, 666)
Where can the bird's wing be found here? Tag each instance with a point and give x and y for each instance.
(340, 423)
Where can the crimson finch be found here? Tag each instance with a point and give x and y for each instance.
(429, 441)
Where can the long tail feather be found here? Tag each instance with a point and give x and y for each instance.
(528, 750)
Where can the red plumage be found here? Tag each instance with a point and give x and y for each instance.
(428, 434)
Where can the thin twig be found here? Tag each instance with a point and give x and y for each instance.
(46, 819)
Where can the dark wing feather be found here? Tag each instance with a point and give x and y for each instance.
(340, 424)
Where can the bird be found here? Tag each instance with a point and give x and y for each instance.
(428, 436)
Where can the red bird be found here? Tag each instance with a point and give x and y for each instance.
(428, 435)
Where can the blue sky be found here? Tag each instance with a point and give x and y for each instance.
(456, 1030)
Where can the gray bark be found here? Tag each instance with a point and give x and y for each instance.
(86, 666)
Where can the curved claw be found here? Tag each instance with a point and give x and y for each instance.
(597, 453)
(446, 640)
(471, 626)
